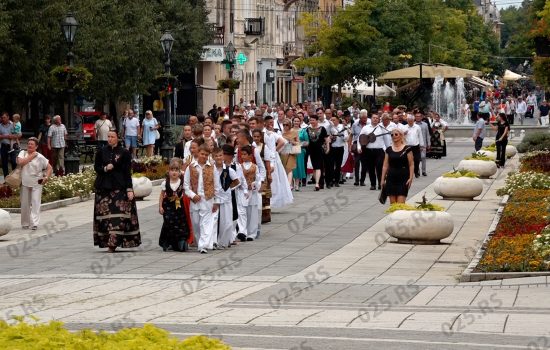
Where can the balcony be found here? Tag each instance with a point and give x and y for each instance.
(290, 50)
(254, 26)
(217, 35)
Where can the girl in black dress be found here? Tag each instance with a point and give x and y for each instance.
(317, 138)
(501, 140)
(398, 167)
(175, 228)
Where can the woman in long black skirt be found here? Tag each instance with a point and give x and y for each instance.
(175, 227)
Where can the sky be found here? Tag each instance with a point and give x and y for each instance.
(507, 3)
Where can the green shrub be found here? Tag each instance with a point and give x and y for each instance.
(460, 173)
(53, 335)
(404, 206)
(492, 148)
(477, 156)
(535, 142)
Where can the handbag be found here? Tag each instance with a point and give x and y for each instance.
(14, 178)
(383, 196)
(296, 149)
(157, 134)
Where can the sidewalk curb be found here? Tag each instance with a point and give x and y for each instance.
(470, 276)
(67, 201)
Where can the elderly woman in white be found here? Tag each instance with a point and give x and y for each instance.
(35, 171)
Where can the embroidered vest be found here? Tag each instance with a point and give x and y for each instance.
(250, 174)
(207, 179)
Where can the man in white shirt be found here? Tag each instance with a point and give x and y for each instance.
(415, 140)
(354, 111)
(131, 131)
(374, 151)
(339, 137)
(426, 140)
(510, 110)
(521, 109)
(532, 103)
(102, 127)
(328, 175)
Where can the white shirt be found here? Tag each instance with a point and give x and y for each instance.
(342, 135)
(102, 128)
(414, 135)
(270, 144)
(381, 141)
(131, 126)
(203, 204)
(531, 100)
(221, 195)
(34, 170)
(390, 127)
(522, 107)
(173, 185)
(187, 149)
(327, 125)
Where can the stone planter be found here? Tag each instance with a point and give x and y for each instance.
(5, 222)
(142, 187)
(419, 227)
(490, 154)
(511, 151)
(483, 168)
(458, 188)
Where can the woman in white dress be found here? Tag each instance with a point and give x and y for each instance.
(149, 130)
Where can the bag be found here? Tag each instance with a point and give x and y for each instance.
(296, 149)
(157, 135)
(383, 196)
(14, 178)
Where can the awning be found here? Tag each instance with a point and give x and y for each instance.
(363, 88)
(429, 71)
(511, 76)
(479, 82)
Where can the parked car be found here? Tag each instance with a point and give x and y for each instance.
(88, 125)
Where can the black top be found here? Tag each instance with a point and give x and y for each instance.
(544, 110)
(43, 129)
(316, 136)
(501, 129)
(398, 160)
(120, 177)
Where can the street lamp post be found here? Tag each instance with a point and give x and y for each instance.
(167, 148)
(230, 54)
(69, 25)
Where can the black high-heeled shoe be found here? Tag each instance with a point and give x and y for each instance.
(316, 188)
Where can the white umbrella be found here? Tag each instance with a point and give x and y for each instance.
(511, 76)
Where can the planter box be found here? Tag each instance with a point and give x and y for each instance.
(490, 154)
(419, 227)
(5, 222)
(458, 188)
(511, 151)
(483, 168)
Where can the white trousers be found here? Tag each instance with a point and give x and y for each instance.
(544, 121)
(225, 224)
(31, 198)
(253, 221)
(423, 159)
(203, 226)
(241, 212)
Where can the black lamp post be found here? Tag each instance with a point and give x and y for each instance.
(69, 25)
(230, 54)
(167, 148)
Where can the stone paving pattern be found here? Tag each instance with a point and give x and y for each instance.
(308, 277)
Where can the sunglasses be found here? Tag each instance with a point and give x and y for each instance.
(394, 134)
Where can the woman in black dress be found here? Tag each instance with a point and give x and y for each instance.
(115, 213)
(398, 167)
(176, 226)
(318, 138)
(501, 139)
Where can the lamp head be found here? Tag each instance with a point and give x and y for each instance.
(69, 25)
(166, 41)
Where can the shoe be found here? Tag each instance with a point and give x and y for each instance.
(336, 184)
(204, 251)
(424, 174)
(34, 228)
(316, 188)
(342, 182)
(215, 246)
(356, 184)
(416, 175)
(379, 187)
(363, 184)
(329, 187)
(372, 188)
(311, 182)
(249, 239)
(241, 237)
(25, 227)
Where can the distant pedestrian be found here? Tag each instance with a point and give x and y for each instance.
(6, 135)
(521, 109)
(479, 133)
(544, 112)
(102, 127)
(115, 213)
(149, 129)
(501, 139)
(416, 141)
(35, 172)
(131, 132)
(43, 138)
(57, 133)
(398, 168)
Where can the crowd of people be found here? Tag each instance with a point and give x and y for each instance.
(229, 172)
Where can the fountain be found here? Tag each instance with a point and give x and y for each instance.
(463, 116)
(448, 101)
(449, 98)
(436, 95)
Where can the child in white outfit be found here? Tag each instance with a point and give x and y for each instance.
(252, 176)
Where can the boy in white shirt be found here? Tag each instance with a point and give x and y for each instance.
(239, 194)
(200, 188)
(252, 175)
(226, 180)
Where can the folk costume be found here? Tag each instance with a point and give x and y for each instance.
(252, 175)
(176, 228)
(199, 180)
(115, 216)
(226, 180)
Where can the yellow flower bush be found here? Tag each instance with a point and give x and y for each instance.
(508, 254)
(53, 336)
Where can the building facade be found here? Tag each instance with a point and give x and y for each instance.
(491, 15)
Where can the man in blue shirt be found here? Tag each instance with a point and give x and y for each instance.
(476, 111)
(6, 134)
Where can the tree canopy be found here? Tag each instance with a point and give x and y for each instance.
(372, 36)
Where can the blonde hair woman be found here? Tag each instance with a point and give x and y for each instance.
(150, 125)
(288, 159)
(398, 168)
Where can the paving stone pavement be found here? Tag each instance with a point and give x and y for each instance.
(323, 275)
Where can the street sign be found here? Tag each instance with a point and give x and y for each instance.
(269, 75)
(212, 53)
(238, 74)
(285, 74)
(298, 79)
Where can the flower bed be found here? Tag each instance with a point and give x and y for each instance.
(536, 161)
(54, 336)
(153, 167)
(525, 180)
